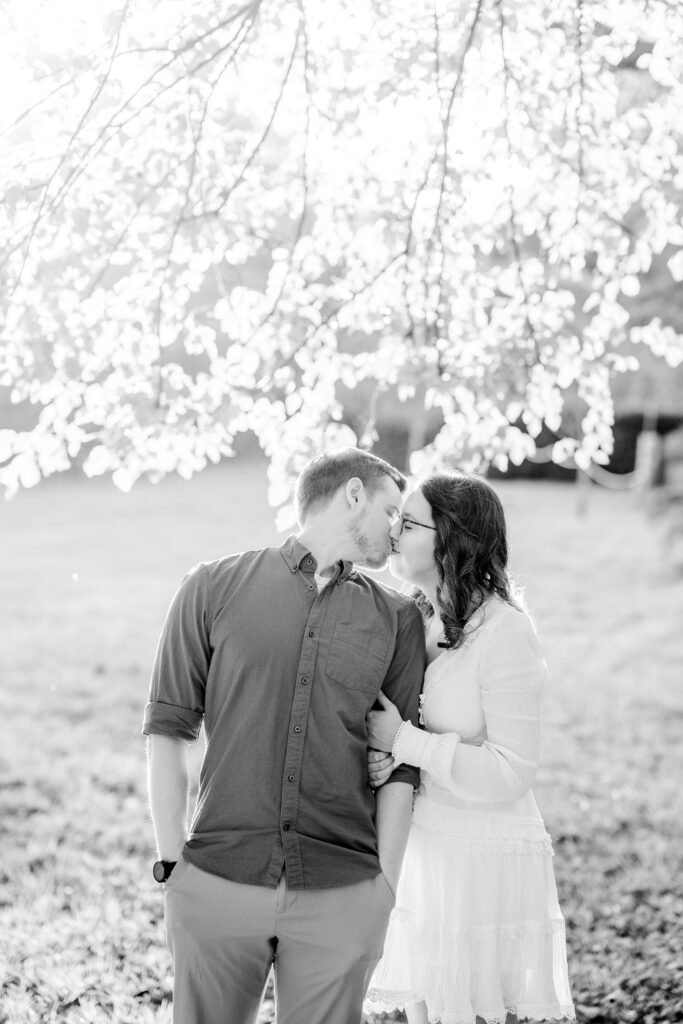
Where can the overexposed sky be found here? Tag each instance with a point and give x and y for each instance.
(57, 26)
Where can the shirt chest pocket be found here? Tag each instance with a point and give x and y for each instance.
(357, 659)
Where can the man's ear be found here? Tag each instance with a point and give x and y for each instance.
(355, 492)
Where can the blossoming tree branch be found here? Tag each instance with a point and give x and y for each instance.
(219, 217)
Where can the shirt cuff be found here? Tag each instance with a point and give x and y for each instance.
(412, 746)
(405, 773)
(171, 720)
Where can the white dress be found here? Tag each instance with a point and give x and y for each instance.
(477, 928)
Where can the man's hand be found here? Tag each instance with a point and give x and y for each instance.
(383, 725)
(380, 767)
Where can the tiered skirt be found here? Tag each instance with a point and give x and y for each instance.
(477, 930)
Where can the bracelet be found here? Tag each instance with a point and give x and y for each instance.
(396, 739)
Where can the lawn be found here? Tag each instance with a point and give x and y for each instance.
(87, 574)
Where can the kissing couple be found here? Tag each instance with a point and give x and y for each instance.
(365, 822)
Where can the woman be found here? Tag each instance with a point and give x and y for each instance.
(477, 933)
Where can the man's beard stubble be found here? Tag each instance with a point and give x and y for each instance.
(372, 557)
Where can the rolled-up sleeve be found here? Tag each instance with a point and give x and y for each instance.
(403, 682)
(175, 706)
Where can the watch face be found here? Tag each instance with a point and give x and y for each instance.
(159, 871)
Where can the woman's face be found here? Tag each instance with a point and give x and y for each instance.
(412, 557)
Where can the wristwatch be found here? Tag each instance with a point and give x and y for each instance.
(162, 870)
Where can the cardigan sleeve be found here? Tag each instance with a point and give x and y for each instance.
(511, 676)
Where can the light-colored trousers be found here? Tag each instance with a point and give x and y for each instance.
(224, 936)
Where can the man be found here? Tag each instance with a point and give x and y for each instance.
(291, 859)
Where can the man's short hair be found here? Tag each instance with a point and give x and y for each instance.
(322, 478)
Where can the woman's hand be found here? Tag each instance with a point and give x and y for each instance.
(383, 725)
(380, 767)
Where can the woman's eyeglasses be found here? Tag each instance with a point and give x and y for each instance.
(412, 522)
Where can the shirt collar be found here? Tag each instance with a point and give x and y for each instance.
(299, 557)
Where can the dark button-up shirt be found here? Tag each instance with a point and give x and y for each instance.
(282, 677)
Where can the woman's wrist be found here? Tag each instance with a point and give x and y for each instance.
(411, 745)
(397, 739)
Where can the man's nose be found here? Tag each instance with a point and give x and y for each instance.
(395, 531)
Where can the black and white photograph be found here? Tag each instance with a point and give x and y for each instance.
(341, 531)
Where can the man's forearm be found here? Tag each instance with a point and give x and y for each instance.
(394, 810)
(168, 778)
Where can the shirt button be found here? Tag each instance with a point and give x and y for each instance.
(290, 778)
(304, 681)
(311, 587)
(311, 633)
(297, 728)
(286, 827)
(309, 561)
(293, 568)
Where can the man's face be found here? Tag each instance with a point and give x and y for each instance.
(370, 527)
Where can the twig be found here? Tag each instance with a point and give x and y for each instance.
(531, 334)
(216, 211)
(100, 141)
(329, 317)
(303, 32)
(34, 106)
(93, 100)
(579, 50)
(95, 146)
(443, 142)
(446, 122)
(194, 156)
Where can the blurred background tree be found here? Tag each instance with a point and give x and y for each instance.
(263, 217)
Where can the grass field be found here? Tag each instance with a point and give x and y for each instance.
(87, 574)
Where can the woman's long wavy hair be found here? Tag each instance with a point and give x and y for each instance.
(470, 550)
